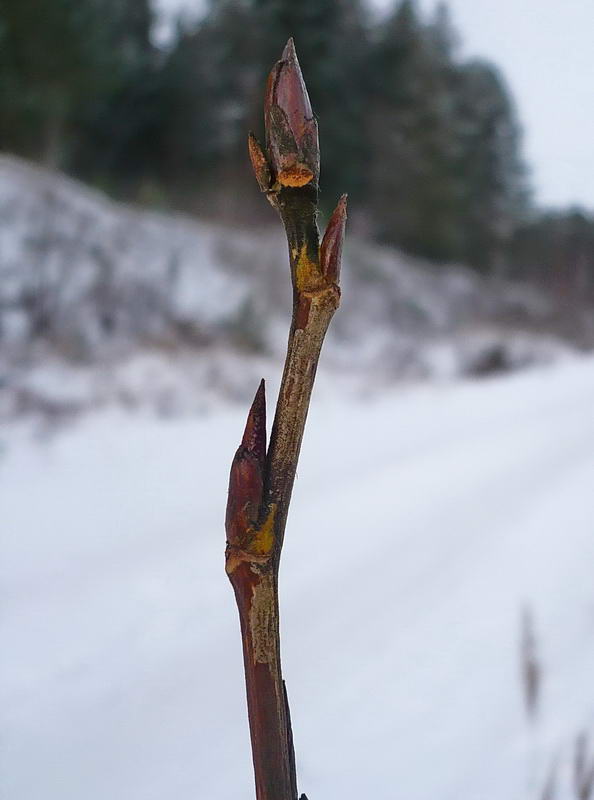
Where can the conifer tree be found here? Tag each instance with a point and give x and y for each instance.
(447, 177)
(414, 186)
(495, 196)
(119, 126)
(52, 53)
(66, 71)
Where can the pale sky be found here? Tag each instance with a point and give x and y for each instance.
(545, 49)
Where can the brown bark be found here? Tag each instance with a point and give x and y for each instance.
(261, 482)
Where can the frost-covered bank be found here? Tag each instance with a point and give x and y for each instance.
(102, 304)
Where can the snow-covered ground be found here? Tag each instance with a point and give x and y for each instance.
(424, 521)
(103, 305)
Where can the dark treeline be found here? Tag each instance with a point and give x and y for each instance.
(426, 144)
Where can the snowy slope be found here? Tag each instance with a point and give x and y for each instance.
(413, 545)
(103, 304)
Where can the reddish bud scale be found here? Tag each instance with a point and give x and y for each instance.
(331, 247)
(259, 163)
(247, 474)
(254, 435)
(291, 129)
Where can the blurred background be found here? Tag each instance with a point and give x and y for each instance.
(144, 291)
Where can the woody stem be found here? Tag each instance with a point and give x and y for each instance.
(255, 581)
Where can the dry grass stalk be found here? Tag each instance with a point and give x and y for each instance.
(583, 769)
(261, 480)
(530, 664)
(549, 790)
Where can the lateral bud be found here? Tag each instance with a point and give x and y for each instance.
(331, 247)
(291, 128)
(247, 474)
(259, 163)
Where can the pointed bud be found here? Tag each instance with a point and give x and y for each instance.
(331, 248)
(259, 163)
(291, 129)
(254, 435)
(247, 473)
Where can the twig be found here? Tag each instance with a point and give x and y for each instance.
(261, 482)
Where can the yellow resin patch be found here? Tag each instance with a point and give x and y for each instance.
(306, 270)
(263, 539)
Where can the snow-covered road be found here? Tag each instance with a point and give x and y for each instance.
(423, 523)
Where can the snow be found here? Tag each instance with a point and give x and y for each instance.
(95, 295)
(424, 521)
